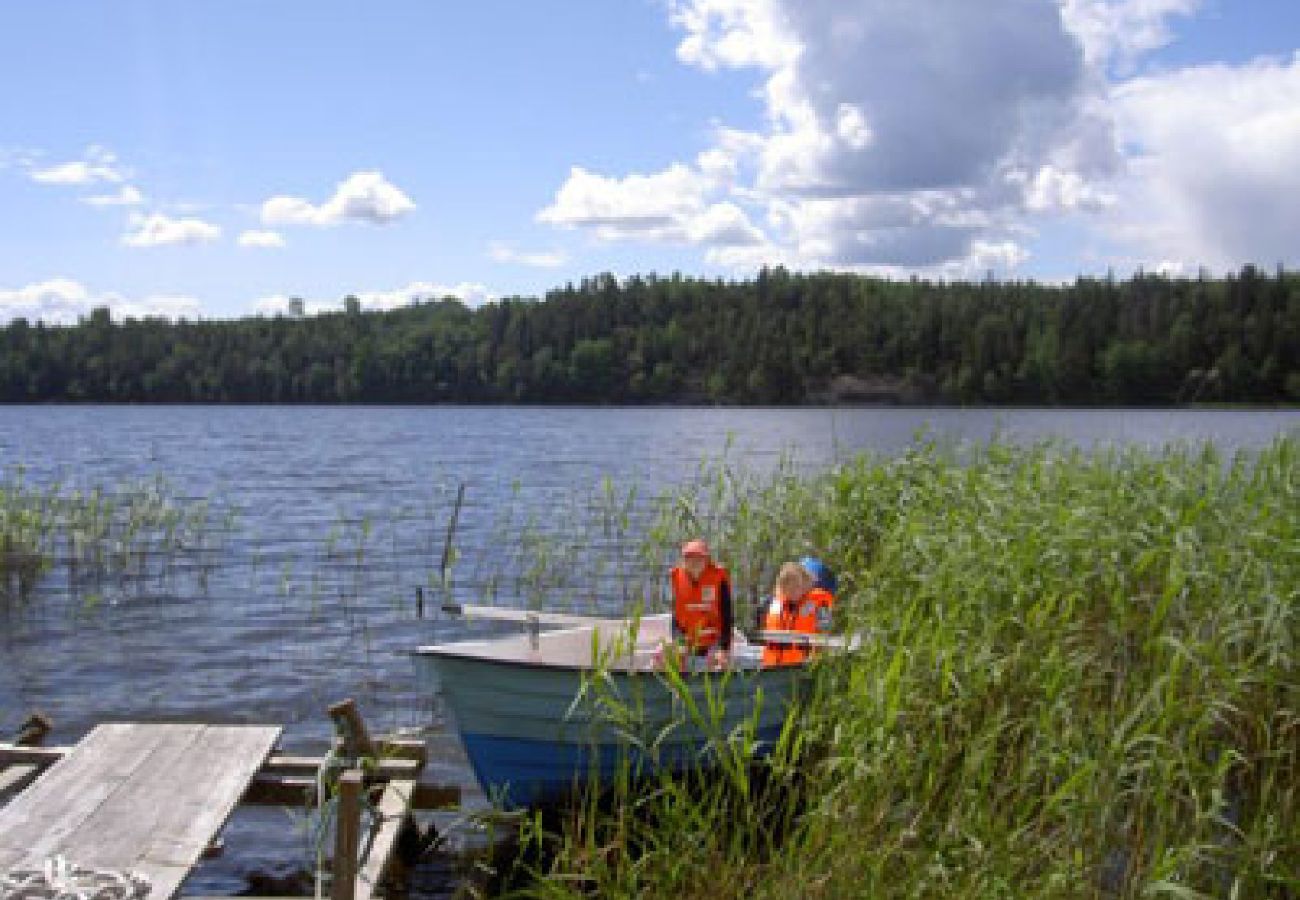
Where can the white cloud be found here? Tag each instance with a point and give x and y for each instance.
(916, 136)
(98, 165)
(638, 204)
(1053, 189)
(942, 137)
(733, 33)
(469, 293)
(851, 126)
(1119, 31)
(158, 230)
(676, 204)
(63, 301)
(364, 196)
(546, 259)
(289, 211)
(264, 239)
(723, 224)
(1213, 177)
(126, 195)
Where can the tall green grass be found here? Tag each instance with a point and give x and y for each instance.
(138, 532)
(1079, 679)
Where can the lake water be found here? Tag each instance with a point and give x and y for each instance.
(338, 513)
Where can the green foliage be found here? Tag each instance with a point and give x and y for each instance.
(780, 338)
(1078, 678)
(137, 533)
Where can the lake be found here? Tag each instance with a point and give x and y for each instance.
(330, 517)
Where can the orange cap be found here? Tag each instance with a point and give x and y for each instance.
(696, 547)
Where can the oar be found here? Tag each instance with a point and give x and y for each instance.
(526, 616)
(805, 639)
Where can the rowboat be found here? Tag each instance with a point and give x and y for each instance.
(545, 712)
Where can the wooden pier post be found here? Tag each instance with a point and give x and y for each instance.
(17, 777)
(347, 837)
(356, 739)
(33, 731)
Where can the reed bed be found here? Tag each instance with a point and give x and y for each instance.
(1079, 679)
(134, 534)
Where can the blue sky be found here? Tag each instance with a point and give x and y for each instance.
(216, 158)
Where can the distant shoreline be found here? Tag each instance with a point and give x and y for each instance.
(1242, 406)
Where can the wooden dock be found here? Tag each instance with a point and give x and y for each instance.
(143, 798)
(151, 799)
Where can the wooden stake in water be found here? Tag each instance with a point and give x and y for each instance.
(347, 837)
(446, 552)
(451, 531)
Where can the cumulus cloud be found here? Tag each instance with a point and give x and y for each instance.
(542, 259)
(263, 239)
(469, 293)
(159, 230)
(126, 195)
(98, 165)
(1119, 31)
(1213, 174)
(733, 34)
(911, 135)
(937, 136)
(634, 205)
(364, 196)
(678, 204)
(722, 225)
(63, 301)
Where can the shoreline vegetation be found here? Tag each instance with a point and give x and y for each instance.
(1079, 676)
(776, 339)
(1080, 680)
(140, 533)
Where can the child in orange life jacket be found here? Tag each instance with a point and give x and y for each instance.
(702, 620)
(798, 604)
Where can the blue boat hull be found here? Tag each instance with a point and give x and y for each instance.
(535, 723)
(517, 773)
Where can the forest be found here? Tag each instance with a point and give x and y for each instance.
(778, 338)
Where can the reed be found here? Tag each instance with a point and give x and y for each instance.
(1079, 680)
(129, 536)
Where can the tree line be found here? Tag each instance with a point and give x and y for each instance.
(777, 338)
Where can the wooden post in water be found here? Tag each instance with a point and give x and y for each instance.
(33, 731)
(347, 837)
(451, 532)
(17, 777)
(356, 739)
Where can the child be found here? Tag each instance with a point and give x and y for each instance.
(797, 605)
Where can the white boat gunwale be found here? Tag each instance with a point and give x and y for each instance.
(525, 651)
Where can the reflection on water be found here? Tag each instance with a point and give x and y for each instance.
(340, 513)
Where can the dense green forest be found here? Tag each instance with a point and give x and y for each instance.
(779, 338)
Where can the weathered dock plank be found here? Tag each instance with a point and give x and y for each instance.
(15, 778)
(147, 798)
(394, 806)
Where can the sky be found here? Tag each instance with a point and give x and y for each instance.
(215, 158)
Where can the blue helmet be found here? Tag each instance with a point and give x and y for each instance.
(821, 573)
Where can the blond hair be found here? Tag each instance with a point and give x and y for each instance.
(793, 581)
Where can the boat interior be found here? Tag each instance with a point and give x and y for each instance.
(619, 644)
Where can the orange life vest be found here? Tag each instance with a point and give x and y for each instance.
(697, 605)
(810, 614)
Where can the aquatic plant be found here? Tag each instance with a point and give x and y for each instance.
(1079, 678)
(134, 534)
